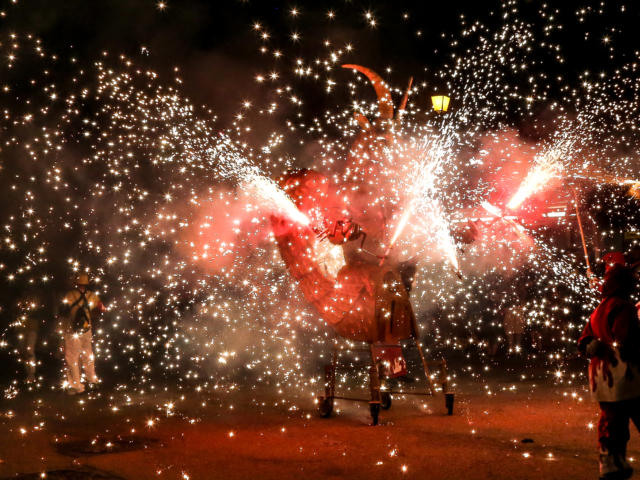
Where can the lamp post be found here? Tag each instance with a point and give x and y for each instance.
(440, 103)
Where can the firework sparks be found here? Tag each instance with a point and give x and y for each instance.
(267, 191)
(546, 169)
(168, 204)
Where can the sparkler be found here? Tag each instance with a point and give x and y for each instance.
(537, 179)
(420, 182)
(547, 165)
(267, 191)
(492, 209)
(436, 230)
(404, 219)
(496, 212)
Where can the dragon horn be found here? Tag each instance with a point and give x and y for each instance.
(362, 120)
(403, 104)
(385, 102)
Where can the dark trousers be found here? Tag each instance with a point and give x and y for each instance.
(613, 427)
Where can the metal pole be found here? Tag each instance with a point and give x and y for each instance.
(374, 378)
(584, 243)
(425, 365)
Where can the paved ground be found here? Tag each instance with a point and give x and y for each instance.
(525, 433)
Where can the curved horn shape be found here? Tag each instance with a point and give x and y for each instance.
(385, 102)
(362, 120)
(403, 104)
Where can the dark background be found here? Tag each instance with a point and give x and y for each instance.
(214, 45)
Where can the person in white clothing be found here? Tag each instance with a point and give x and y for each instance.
(78, 306)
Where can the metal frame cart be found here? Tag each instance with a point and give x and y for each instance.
(381, 398)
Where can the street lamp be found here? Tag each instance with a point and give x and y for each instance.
(440, 103)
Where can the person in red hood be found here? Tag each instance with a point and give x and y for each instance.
(611, 339)
(610, 260)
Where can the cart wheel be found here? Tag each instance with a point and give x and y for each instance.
(375, 411)
(385, 397)
(325, 406)
(448, 402)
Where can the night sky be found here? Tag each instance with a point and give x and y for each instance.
(217, 50)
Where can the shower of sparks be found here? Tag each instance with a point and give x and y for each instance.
(267, 191)
(113, 170)
(536, 180)
(546, 168)
(492, 209)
